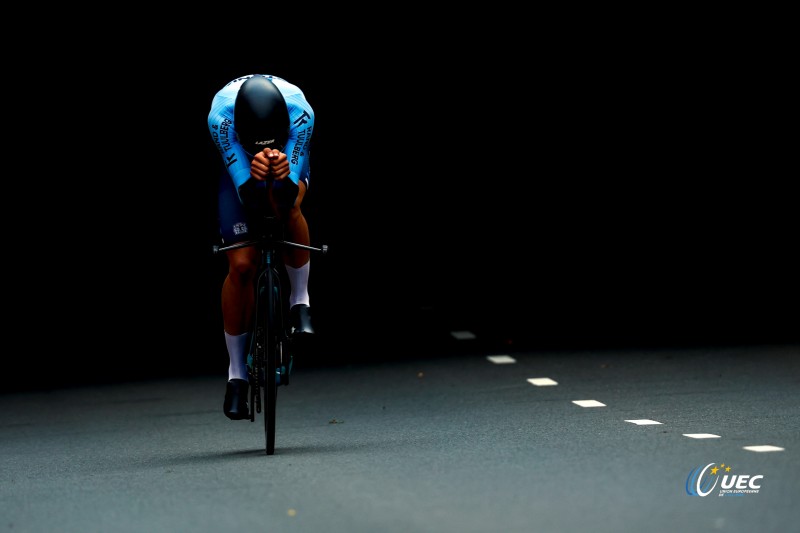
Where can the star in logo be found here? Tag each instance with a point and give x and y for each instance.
(716, 469)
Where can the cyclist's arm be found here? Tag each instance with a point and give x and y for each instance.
(220, 125)
(301, 118)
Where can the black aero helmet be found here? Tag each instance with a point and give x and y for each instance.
(260, 116)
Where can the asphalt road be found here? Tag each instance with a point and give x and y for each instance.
(634, 198)
(453, 442)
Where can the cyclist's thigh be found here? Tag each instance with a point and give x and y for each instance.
(236, 222)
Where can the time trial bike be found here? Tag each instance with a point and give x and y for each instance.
(270, 357)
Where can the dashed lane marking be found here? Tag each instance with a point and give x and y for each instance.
(545, 382)
(542, 382)
(588, 403)
(763, 448)
(501, 359)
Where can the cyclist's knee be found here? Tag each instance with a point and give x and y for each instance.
(242, 264)
(292, 215)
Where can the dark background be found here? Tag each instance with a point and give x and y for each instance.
(550, 192)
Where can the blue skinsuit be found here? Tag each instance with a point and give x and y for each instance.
(237, 161)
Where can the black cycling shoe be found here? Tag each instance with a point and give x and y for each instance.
(236, 395)
(300, 319)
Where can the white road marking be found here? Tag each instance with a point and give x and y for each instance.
(501, 359)
(462, 335)
(763, 448)
(588, 403)
(545, 382)
(541, 382)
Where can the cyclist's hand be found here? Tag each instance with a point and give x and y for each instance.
(278, 164)
(260, 166)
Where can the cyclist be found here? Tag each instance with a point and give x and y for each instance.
(262, 126)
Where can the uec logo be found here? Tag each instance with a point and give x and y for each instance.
(703, 480)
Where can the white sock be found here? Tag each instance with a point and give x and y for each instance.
(298, 280)
(237, 352)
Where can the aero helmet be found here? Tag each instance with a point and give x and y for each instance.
(260, 116)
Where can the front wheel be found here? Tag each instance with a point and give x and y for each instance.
(273, 346)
